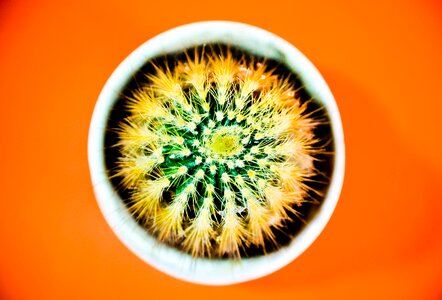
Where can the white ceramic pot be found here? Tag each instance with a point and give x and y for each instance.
(169, 259)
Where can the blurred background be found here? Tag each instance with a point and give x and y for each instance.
(382, 61)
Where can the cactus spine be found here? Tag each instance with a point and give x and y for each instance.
(216, 153)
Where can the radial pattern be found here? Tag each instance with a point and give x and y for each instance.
(216, 153)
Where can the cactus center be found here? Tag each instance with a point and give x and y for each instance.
(225, 142)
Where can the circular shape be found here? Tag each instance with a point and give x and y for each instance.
(222, 143)
(181, 123)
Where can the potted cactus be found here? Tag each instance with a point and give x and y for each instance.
(215, 149)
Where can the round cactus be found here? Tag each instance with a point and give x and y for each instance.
(216, 153)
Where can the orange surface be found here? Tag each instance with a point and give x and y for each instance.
(383, 63)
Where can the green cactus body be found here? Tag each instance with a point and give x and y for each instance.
(216, 152)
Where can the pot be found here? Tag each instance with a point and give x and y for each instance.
(171, 260)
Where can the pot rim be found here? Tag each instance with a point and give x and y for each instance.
(168, 259)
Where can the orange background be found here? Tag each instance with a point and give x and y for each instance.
(383, 62)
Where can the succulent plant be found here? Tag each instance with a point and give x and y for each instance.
(216, 153)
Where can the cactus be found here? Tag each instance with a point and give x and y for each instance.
(216, 153)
